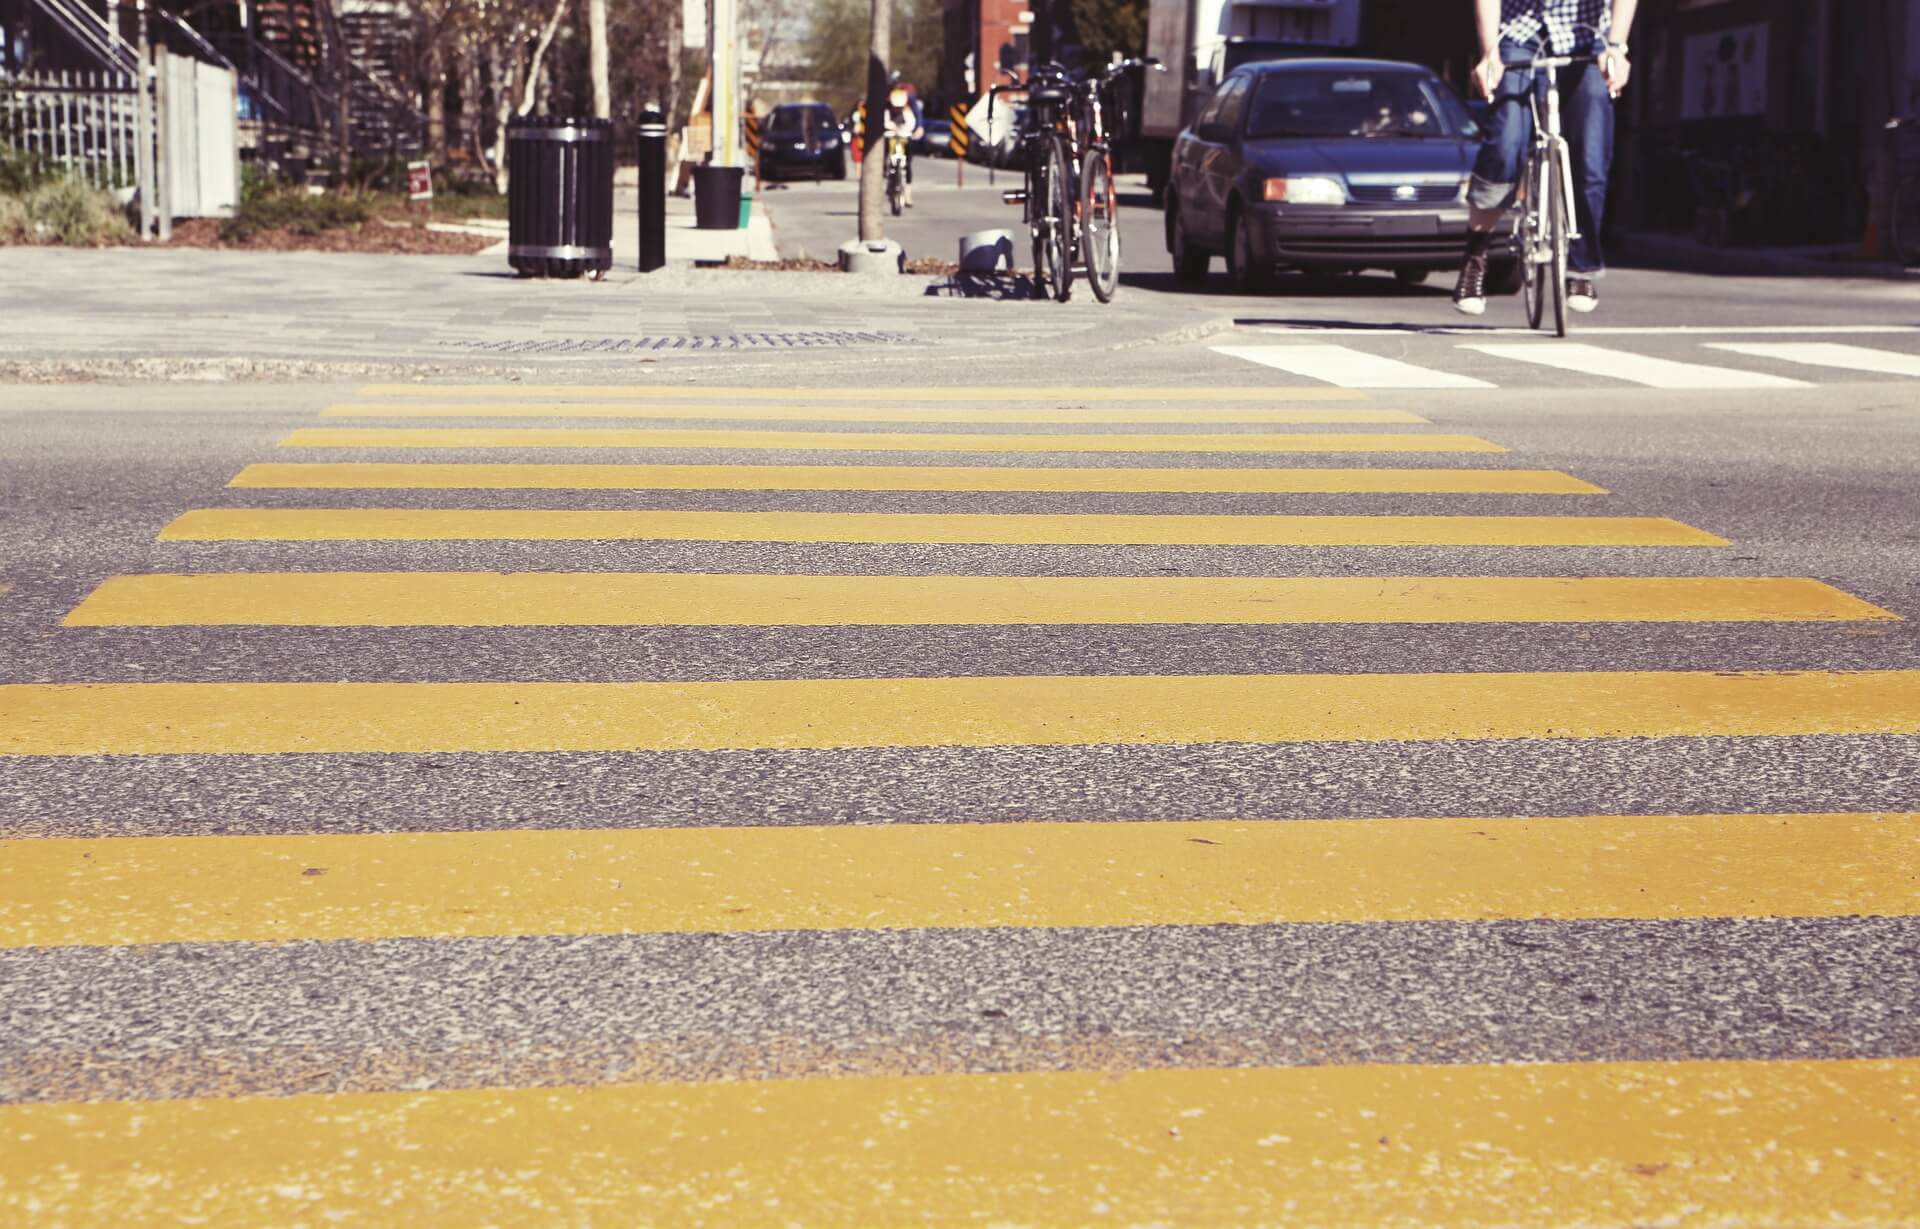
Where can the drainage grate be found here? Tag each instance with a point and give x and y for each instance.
(697, 341)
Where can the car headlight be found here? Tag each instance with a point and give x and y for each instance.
(832, 142)
(1307, 190)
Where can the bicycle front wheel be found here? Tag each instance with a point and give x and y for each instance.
(1532, 241)
(1058, 220)
(1099, 225)
(1560, 223)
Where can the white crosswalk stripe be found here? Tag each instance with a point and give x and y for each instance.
(1633, 368)
(1349, 368)
(1829, 354)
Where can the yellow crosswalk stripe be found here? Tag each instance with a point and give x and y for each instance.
(1016, 710)
(427, 475)
(888, 414)
(1064, 394)
(494, 599)
(215, 889)
(942, 528)
(876, 441)
(1619, 1143)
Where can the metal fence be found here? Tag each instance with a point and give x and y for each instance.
(85, 122)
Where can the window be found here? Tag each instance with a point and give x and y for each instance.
(1328, 103)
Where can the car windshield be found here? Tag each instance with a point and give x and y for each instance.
(795, 121)
(1328, 103)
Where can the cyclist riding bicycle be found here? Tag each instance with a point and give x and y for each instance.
(1514, 32)
(902, 120)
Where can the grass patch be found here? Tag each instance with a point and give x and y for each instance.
(62, 211)
(267, 206)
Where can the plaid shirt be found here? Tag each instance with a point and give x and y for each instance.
(1567, 24)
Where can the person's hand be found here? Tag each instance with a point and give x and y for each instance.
(1617, 67)
(1487, 74)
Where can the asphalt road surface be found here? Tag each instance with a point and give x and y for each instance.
(1330, 769)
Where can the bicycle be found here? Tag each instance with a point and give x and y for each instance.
(896, 172)
(1548, 223)
(1099, 220)
(1048, 195)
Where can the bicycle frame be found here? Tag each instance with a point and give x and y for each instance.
(1543, 95)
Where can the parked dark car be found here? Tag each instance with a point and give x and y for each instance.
(801, 140)
(1326, 165)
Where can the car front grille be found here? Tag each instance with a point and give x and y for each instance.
(1387, 194)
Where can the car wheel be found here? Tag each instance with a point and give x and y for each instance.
(1505, 277)
(1245, 271)
(1190, 261)
(840, 168)
(1411, 277)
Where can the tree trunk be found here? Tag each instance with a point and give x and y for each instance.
(436, 102)
(540, 55)
(505, 64)
(873, 166)
(597, 58)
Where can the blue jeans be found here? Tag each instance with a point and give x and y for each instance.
(1586, 120)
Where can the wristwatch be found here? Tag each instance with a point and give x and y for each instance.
(1619, 47)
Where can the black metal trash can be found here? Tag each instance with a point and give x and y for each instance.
(716, 196)
(559, 195)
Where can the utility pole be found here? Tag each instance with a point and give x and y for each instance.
(873, 163)
(143, 121)
(723, 54)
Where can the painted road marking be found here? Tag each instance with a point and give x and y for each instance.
(1633, 368)
(59, 719)
(876, 441)
(358, 475)
(1062, 394)
(1348, 368)
(610, 599)
(1633, 1143)
(942, 528)
(819, 413)
(272, 889)
(1829, 354)
(1782, 330)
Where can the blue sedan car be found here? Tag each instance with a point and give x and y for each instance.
(1325, 165)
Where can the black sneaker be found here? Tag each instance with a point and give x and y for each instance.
(1581, 295)
(1470, 292)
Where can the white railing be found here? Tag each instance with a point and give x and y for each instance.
(87, 123)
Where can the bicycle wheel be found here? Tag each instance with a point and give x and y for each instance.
(1039, 193)
(1532, 218)
(1059, 215)
(1560, 224)
(1099, 225)
(896, 191)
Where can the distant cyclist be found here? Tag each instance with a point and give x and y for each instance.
(903, 120)
(1515, 32)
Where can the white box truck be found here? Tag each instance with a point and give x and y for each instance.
(1201, 41)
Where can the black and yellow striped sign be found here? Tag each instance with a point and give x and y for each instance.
(959, 136)
(753, 135)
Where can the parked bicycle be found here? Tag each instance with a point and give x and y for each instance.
(1070, 206)
(1548, 224)
(1047, 195)
(1099, 211)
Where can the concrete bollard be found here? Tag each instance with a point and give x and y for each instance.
(884, 256)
